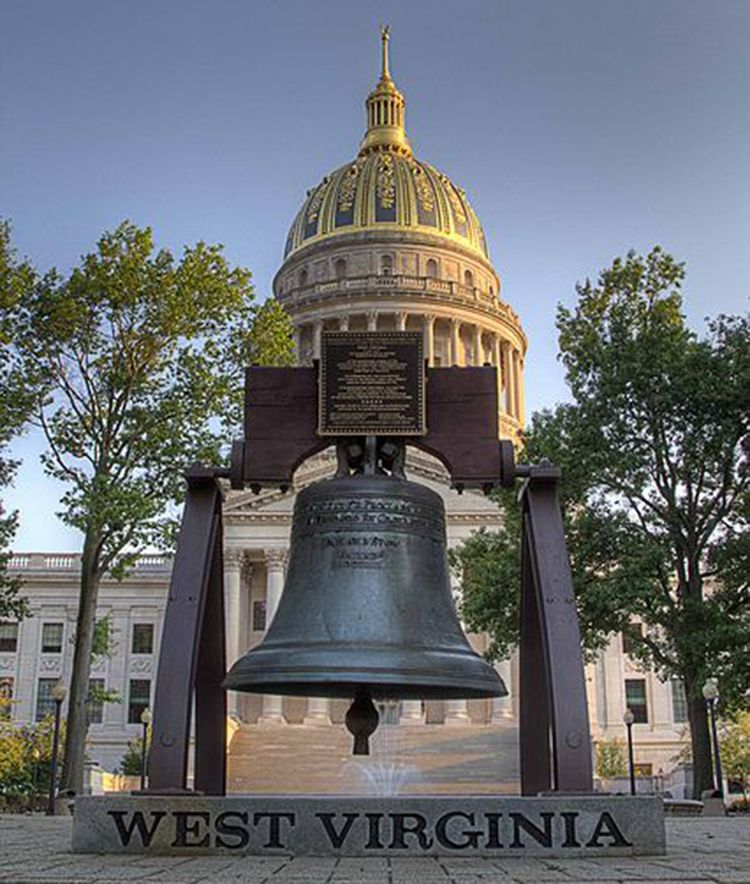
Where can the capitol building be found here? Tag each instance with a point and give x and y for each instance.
(385, 241)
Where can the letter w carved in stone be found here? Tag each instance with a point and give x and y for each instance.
(125, 831)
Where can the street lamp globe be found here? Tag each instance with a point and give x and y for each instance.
(146, 717)
(628, 717)
(59, 692)
(711, 689)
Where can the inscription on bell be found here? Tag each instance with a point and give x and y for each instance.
(371, 383)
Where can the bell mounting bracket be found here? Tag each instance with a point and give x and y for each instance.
(280, 432)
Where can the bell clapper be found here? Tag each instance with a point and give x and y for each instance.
(362, 721)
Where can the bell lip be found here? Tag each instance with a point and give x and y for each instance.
(343, 684)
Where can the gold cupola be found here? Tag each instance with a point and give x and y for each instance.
(386, 188)
(385, 111)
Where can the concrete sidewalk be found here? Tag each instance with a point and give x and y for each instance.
(37, 849)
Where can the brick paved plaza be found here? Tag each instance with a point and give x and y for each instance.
(37, 849)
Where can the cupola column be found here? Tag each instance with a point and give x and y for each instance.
(317, 338)
(372, 320)
(344, 322)
(521, 391)
(455, 339)
(429, 338)
(401, 318)
(478, 350)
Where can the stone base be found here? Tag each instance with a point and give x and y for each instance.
(351, 826)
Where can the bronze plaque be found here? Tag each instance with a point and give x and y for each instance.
(371, 383)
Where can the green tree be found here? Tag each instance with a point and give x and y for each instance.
(654, 451)
(610, 759)
(16, 277)
(271, 337)
(735, 749)
(140, 357)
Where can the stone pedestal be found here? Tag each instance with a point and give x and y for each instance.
(502, 707)
(418, 825)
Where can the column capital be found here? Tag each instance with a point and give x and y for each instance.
(429, 318)
(234, 558)
(372, 320)
(276, 558)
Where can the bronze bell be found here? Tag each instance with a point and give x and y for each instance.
(367, 610)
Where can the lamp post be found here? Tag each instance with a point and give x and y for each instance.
(58, 695)
(711, 696)
(629, 718)
(145, 721)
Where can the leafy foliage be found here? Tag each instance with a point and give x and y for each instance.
(132, 761)
(654, 452)
(25, 763)
(270, 339)
(734, 741)
(138, 359)
(610, 759)
(16, 400)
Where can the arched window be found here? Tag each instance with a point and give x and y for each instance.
(303, 277)
(339, 268)
(468, 279)
(432, 268)
(386, 265)
(492, 292)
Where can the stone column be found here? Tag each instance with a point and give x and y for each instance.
(520, 388)
(502, 707)
(429, 338)
(344, 323)
(455, 337)
(318, 711)
(317, 337)
(478, 349)
(457, 712)
(273, 712)
(508, 368)
(401, 318)
(411, 713)
(297, 337)
(372, 320)
(233, 561)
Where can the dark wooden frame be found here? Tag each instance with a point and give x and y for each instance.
(280, 433)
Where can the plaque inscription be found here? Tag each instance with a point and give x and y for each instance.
(371, 383)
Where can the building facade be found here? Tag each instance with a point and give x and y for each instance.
(384, 242)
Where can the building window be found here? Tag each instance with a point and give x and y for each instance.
(630, 638)
(45, 702)
(339, 268)
(52, 638)
(6, 697)
(679, 701)
(643, 769)
(432, 270)
(259, 616)
(303, 278)
(8, 638)
(635, 699)
(139, 698)
(386, 265)
(469, 279)
(95, 701)
(143, 638)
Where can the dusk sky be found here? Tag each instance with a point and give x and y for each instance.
(578, 129)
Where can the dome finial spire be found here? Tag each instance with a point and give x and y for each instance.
(385, 110)
(385, 36)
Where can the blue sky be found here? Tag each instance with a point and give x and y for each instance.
(578, 129)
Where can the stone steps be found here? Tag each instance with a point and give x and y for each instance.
(428, 759)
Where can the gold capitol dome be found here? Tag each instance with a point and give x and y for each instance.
(389, 243)
(386, 186)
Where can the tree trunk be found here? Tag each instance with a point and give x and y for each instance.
(77, 722)
(700, 742)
